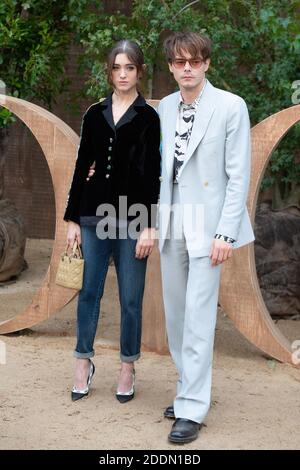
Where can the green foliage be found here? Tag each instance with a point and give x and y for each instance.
(33, 47)
(147, 23)
(6, 117)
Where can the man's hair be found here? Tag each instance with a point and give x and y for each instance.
(195, 43)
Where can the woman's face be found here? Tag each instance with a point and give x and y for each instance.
(124, 74)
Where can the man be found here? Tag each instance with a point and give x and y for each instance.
(203, 216)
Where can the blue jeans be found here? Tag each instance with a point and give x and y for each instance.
(131, 281)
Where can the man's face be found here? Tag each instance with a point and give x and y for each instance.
(188, 71)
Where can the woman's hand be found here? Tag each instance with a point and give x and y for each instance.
(91, 171)
(73, 234)
(145, 243)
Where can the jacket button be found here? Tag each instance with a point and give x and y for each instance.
(109, 148)
(111, 139)
(109, 158)
(107, 176)
(108, 167)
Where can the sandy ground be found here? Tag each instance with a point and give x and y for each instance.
(255, 401)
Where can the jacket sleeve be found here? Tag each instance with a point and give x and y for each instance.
(237, 167)
(152, 169)
(83, 162)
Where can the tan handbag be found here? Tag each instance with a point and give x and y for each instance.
(70, 268)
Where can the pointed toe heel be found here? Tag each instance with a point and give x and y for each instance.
(78, 394)
(124, 397)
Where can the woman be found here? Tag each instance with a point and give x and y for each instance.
(120, 138)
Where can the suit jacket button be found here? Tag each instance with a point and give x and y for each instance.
(160, 178)
(111, 139)
(109, 158)
(109, 148)
(108, 167)
(107, 176)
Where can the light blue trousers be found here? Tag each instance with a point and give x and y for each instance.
(190, 292)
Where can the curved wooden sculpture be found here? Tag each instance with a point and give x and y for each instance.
(59, 144)
(240, 294)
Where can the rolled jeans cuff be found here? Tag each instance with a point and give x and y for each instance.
(84, 355)
(130, 358)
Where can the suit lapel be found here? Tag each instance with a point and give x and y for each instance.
(203, 116)
(170, 135)
(127, 116)
(107, 112)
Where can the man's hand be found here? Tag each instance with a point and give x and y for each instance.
(220, 252)
(145, 243)
(91, 171)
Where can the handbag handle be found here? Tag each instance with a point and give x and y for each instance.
(76, 248)
(76, 251)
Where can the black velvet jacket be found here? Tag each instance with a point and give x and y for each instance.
(127, 160)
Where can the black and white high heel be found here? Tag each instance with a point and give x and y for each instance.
(123, 397)
(77, 394)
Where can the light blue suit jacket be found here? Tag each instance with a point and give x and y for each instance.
(214, 177)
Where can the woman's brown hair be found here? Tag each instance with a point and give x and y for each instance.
(133, 52)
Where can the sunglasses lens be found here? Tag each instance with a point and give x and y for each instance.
(194, 63)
